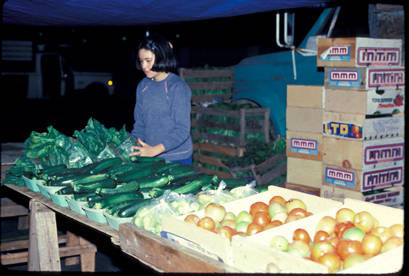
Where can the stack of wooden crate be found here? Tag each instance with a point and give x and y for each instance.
(304, 138)
(210, 86)
(363, 122)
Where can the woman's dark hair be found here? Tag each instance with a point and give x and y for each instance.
(165, 60)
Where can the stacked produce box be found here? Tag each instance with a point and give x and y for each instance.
(304, 138)
(363, 122)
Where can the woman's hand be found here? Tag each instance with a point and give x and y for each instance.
(146, 150)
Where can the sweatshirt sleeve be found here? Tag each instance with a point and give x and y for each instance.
(138, 127)
(180, 94)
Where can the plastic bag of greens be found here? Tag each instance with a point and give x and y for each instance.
(183, 203)
(107, 152)
(78, 156)
(124, 149)
(244, 191)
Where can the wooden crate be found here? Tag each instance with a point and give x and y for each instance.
(216, 83)
(302, 188)
(201, 159)
(310, 96)
(247, 122)
(265, 172)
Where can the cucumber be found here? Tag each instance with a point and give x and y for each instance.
(154, 181)
(89, 187)
(65, 191)
(122, 188)
(116, 199)
(105, 164)
(129, 211)
(86, 179)
(113, 209)
(133, 175)
(123, 168)
(194, 186)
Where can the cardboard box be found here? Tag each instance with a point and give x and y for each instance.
(359, 52)
(310, 96)
(218, 247)
(304, 172)
(363, 154)
(364, 78)
(304, 145)
(370, 102)
(389, 197)
(304, 119)
(363, 180)
(358, 127)
(253, 254)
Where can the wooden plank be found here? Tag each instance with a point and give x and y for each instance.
(23, 244)
(270, 175)
(165, 255)
(211, 85)
(102, 227)
(196, 99)
(303, 188)
(206, 73)
(212, 161)
(9, 208)
(43, 254)
(214, 172)
(224, 150)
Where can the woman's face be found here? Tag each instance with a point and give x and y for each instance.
(147, 59)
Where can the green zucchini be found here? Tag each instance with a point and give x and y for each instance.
(130, 210)
(105, 164)
(165, 169)
(65, 191)
(142, 159)
(86, 196)
(53, 169)
(123, 168)
(187, 178)
(133, 175)
(86, 179)
(154, 181)
(122, 188)
(113, 209)
(88, 187)
(115, 199)
(194, 186)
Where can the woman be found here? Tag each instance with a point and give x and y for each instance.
(162, 109)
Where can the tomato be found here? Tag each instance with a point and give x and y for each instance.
(253, 228)
(333, 240)
(301, 235)
(341, 227)
(344, 215)
(273, 224)
(364, 220)
(298, 212)
(371, 245)
(226, 231)
(392, 243)
(261, 218)
(397, 230)
(206, 223)
(258, 206)
(278, 199)
(331, 261)
(192, 219)
(293, 218)
(327, 224)
(382, 232)
(320, 248)
(347, 247)
(320, 236)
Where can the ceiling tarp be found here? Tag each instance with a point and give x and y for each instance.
(135, 12)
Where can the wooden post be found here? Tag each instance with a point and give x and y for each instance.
(72, 240)
(43, 253)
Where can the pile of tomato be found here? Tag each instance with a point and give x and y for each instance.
(258, 217)
(347, 239)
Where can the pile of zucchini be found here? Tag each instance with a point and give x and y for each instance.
(122, 188)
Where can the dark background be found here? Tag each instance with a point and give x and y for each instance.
(214, 43)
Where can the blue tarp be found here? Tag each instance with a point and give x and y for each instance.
(135, 12)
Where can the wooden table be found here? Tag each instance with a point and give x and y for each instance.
(154, 251)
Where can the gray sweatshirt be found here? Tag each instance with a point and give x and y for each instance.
(162, 115)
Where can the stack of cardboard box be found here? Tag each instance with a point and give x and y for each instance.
(363, 122)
